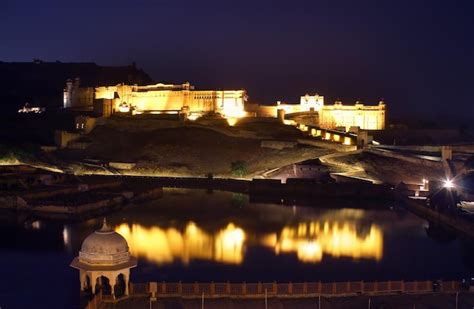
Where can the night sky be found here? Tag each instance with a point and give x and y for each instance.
(418, 55)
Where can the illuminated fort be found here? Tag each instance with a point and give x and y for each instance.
(367, 117)
(185, 100)
(158, 98)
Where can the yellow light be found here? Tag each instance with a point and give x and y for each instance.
(232, 121)
(336, 137)
(163, 246)
(229, 245)
(310, 252)
(124, 108)
(310, 242)
(303, 127)
(327, 136)
(347, 140)
(233, 111)
(193, 116)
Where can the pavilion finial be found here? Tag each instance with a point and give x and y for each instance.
(104, 227)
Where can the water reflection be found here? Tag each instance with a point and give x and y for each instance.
(309, 241)
(165, 245)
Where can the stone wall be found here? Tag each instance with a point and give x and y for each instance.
(358, 115)
(161, 97)
(63, 138)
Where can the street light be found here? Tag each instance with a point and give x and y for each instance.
(448, 183)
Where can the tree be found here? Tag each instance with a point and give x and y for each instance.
(239, 168)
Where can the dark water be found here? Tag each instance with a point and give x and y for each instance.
(193, 235)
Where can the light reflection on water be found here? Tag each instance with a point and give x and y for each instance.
(162, 245)
(310, 241)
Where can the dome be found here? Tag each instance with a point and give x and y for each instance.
(104, 247)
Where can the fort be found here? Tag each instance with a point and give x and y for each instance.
(184, 99)
(158, 98)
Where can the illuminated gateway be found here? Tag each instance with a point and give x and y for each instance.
(184, 99)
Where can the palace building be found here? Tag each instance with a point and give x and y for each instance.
(367, 117)
(157, 98)
(185, 100)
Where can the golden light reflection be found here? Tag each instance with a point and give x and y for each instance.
(167, 245)
(309, 241)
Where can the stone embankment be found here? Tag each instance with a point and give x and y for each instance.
(450, 221)
(273, 190)
(357, 294)
(80, 198)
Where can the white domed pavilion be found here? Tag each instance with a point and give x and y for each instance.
(104, 262)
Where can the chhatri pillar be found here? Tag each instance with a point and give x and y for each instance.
(105, 256)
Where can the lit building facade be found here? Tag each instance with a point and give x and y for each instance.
(358, 115)
(232, 104)
(158, 98)
(308, 103)
(366, 117)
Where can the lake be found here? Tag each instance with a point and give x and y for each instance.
(197, 235)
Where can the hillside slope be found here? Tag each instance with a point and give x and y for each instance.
(189, 151)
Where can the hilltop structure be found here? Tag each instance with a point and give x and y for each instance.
(337, 116)
(184, 99)
(156, 98)
(366, 117)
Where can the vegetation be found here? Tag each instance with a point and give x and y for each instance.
(16, 155)
(239, 168)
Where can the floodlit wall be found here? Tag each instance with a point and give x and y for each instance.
(358, 115)
(161, 97)
(308, 102)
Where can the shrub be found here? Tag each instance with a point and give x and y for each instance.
(239, 168)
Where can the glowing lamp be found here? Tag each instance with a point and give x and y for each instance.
(232, 121)
(448, 184)
(124, 108)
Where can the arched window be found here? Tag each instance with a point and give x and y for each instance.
(103, 284)
(119, 287)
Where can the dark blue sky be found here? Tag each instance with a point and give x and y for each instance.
(418, 55)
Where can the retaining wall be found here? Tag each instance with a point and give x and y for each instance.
(298, 289)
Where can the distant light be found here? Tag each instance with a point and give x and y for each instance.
(66, 236)
(27, 109)
(448, 183)
(36, 225)
(232, 121)
(194, 116)
(124, 108)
